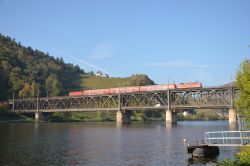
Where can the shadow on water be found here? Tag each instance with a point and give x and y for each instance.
(202, 160)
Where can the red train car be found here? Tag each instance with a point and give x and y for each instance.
(114, 90)
(78, 93)
(132, 89)
(122, 90)
(96, 92)
(189, 85)
(151, 88)
(88, 92)
(168, 86)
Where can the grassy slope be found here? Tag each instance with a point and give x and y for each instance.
(93, 82)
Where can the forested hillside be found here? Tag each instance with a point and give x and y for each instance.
(24, 70)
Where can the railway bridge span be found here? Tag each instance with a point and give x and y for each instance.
(171, 101)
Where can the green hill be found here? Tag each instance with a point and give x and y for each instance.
(24, 70)
(93, 82)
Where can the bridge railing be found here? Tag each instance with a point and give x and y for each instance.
(228, 138)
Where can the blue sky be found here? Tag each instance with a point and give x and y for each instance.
(175, 40)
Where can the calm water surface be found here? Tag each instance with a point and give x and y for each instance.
(104, 143)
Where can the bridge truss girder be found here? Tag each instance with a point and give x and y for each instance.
(174, 99)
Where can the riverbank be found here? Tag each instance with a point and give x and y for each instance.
(9, 116)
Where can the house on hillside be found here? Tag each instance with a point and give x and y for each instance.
(101, 74)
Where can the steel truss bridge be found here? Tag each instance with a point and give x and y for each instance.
(203, 98)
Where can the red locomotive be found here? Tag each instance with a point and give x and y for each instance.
(134, 89)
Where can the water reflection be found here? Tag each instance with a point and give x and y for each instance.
(202, 161)
(170, 126)
(118, 125)
(233, 126)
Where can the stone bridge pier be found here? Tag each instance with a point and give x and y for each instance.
(38, 116)
(41, 116)
(123, 116)
(171, 116)
(232, 118)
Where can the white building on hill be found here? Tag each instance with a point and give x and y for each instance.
(101, 74)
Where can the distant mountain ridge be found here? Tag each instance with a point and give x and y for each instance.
(233, 84)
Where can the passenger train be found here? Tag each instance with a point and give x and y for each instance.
(136, 89)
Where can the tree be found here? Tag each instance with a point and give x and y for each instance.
(243, 83)
(91, 73)
(3, 85)
(34, 89)
(140, 80)
(56, 86)
(53, 85)
(25, 92)
(14, 82)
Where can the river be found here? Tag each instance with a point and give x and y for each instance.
(105, 144)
